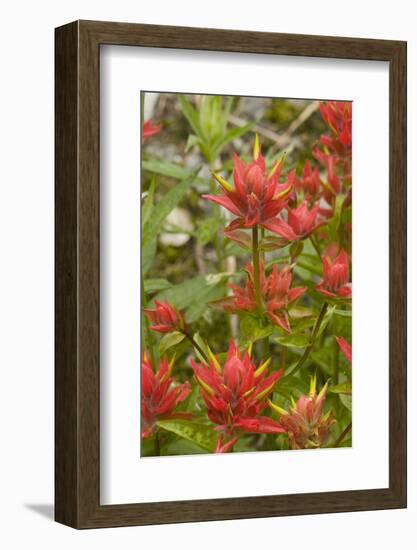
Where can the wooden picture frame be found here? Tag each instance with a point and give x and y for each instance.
(77, 374)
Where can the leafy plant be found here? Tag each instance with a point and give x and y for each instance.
(246, 325)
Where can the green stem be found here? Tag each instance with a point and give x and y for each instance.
(342, 436)
(217, 214)
(256, 270)
(262, 229)
(308, 349)
(335, 362)
(196, 346)
(157, 445)
(315, 246)
(149, 335)
(257, 284)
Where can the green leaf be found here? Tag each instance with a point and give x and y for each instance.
(169, 340)
(148, 202)
(191, 141)
(346, 400)
(345, 388)
(309, 266)
(290, 386)
(326, 320)
(251, 329)
(272, 242)
(155, 285)
(202, 345)
(343, 312)
(147, 255)
(164, 207)
(230, 135)
(340, 199)
(170, 170)
(190, 114)
(207, 229)
(198, 308)
(202, 435)
(294, 340)
(181, 447)
(323, 357)
(194, 294)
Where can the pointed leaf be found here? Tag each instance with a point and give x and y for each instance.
(190, 114)
(169, 340)
(155, 285)
(161, 210)
(202, 435)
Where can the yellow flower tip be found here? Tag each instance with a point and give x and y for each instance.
(214, 360)
(263, 367)
(293, 403)
(276, 166)
(250, 349)
(205, 386)
(225, 184)
(276, 408)
(323, 390)
(171, 364)
(256, 147)
(283, 193)
(169, 370)
(326, 416)
(265, 392)
(248, 393)
(313, 386)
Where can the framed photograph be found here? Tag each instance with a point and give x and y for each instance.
(230, 274)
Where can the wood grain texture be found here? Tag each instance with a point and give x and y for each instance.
(78, 285)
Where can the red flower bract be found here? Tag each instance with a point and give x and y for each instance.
(256, 196)
(304, 422)
(309, 182)
(345, 347)
(150, 129)
(236, 394)
(301, 223)
(338, 117)
(335, 283)
(276, 294)
(165, 318)
(159, 395)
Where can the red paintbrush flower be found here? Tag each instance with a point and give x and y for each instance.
(309, 182)
(335, 283)
(150, 129)
(345, 347)
(305, 423)
(256, 195)
(165, 318)
(160, 395)
(277, 295)
(300, 225)
(225, 447)
(236, 394)
(338, 117)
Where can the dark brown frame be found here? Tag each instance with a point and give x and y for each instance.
(77, 274)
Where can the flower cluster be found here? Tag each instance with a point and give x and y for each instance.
(257, 196)
(283, 302)
(335, 283)
(160, 395)
(165, 318)
(277, 295)
(236, 394)
(306, 425)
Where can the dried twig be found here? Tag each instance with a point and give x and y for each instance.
(280, 140)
